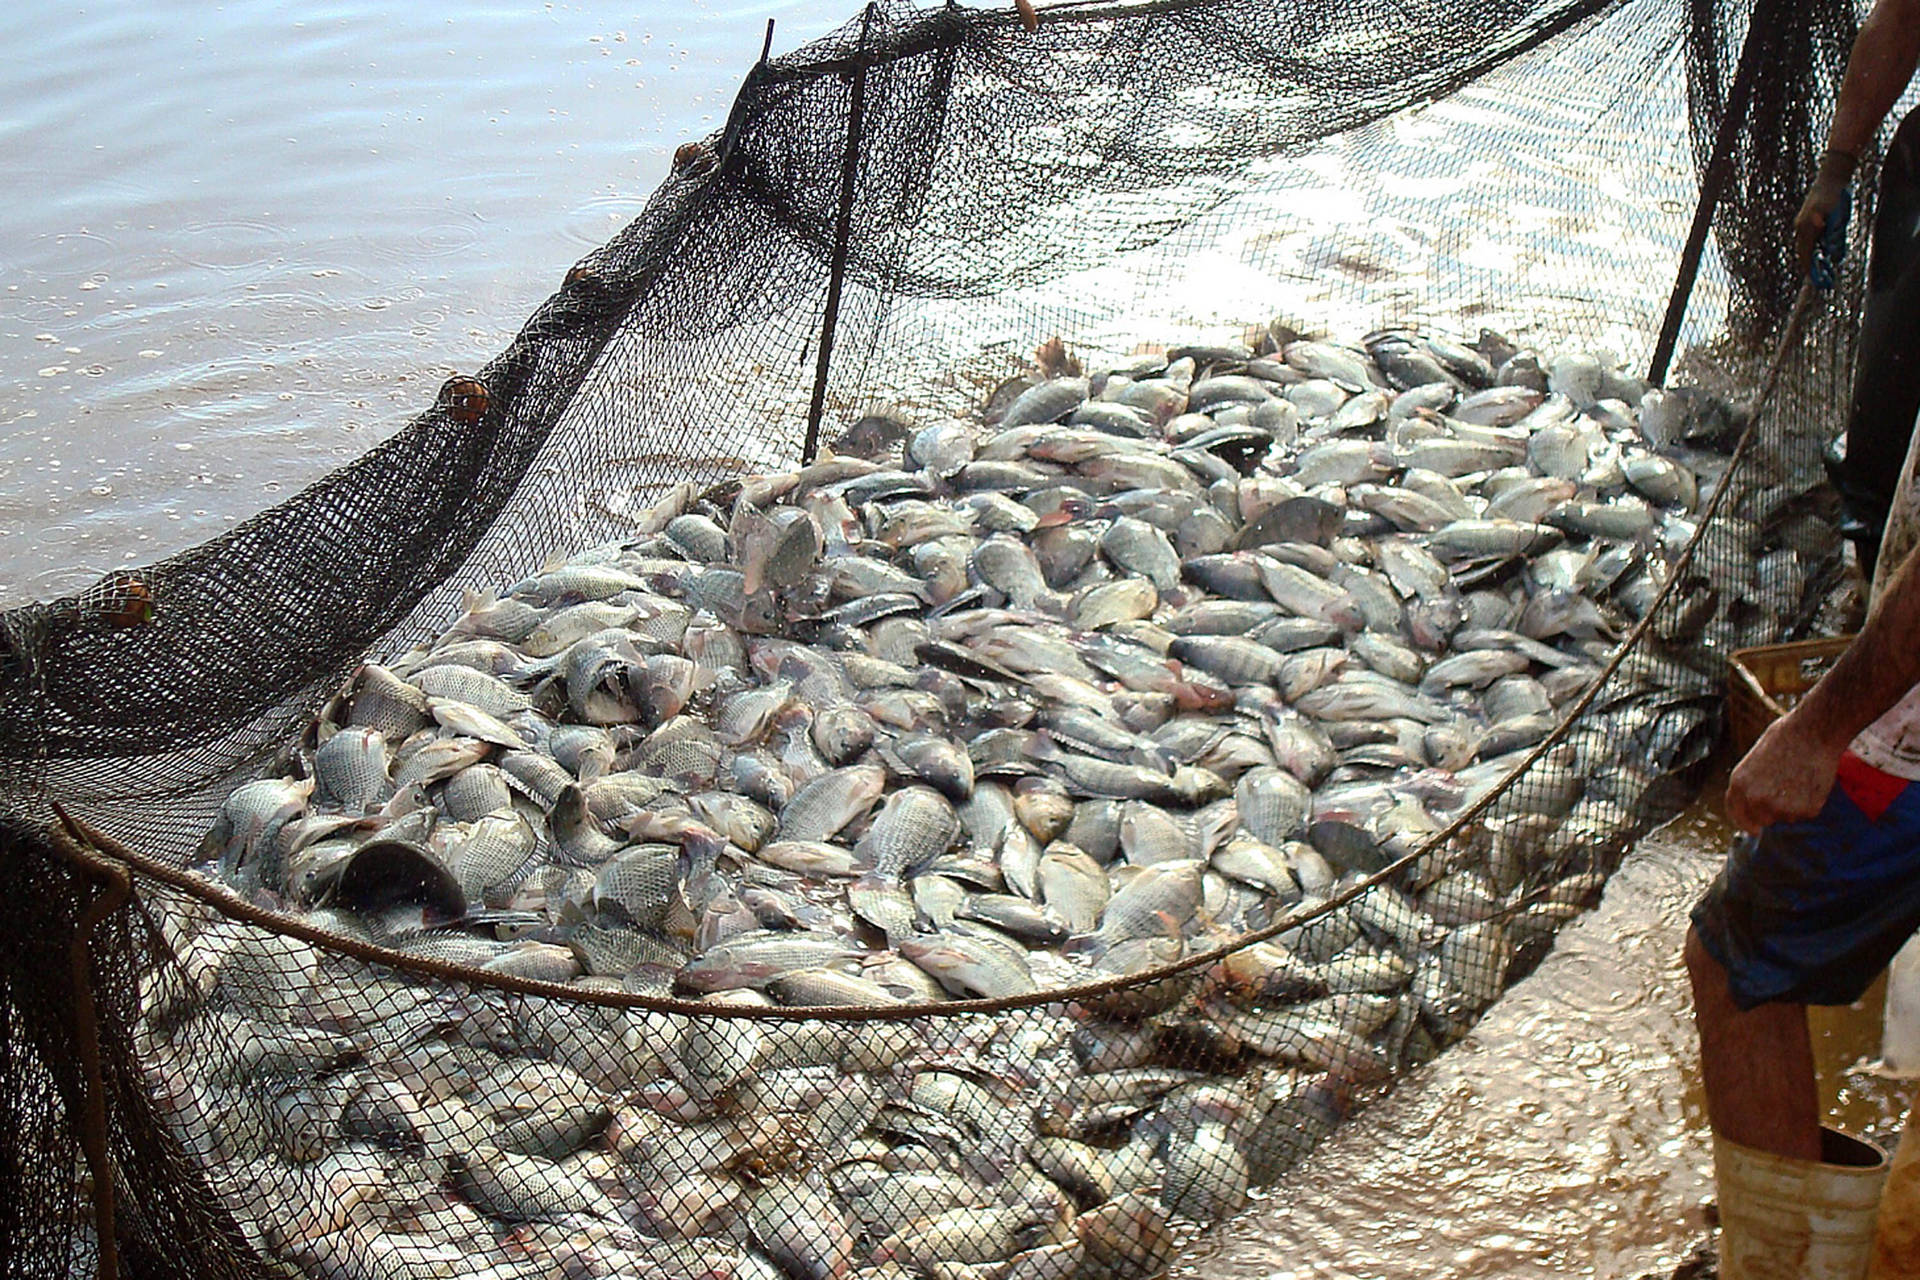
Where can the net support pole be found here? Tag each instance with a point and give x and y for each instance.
(117, 888)
(842, 243)
(1712, 186)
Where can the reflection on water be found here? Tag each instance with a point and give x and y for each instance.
(1566, 1136)
(247, 243)
(1547, 200)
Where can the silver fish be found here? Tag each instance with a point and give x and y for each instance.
(519, 1187)
(915, 825)
(1477, 538)
(350, 770)
(561, 630)
(1107, 603)
(1139, 548)
(1232, 659)
(1149, 836)
(938, 761)
(822, 807)
(641, 882)
(1159, 899)
(1207, 1175)
(245, 833)
(1273, 804)
(969, 967)
(1073, 885)
(754, 960)
(494, 849)
(572, 583)
(813, 858)
(1300, 592)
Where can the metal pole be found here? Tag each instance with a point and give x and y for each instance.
(842, 238)
(1712, 186)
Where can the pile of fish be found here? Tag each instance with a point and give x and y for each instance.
(1151, 659)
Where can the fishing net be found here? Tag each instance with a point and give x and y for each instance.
(1140, 252)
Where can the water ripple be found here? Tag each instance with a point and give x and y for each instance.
(230, 244)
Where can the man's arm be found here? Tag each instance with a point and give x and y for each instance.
(1884, 56)
(1790, 770)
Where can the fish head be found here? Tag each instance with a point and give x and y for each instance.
(1069, 509)
(928, 949)
(666, 685)
(759, 613)
(700, 846)
(719, 970)
(1195, 690)
(793, 720)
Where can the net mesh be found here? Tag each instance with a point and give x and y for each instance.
(319, 1075)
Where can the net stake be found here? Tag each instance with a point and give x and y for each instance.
(842, 239)
(117, 887)
(1713, 185)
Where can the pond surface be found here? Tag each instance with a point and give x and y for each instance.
(243, 242)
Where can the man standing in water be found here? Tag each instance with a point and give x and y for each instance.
(1808, 910)
(1825, 888)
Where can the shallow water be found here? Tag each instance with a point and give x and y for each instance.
(243, 243)
(1566, 1135)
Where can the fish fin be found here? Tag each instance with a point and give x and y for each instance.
(1090, 946)
(1054, 604)
(1041, 746)
(535, 671)
(594, 765)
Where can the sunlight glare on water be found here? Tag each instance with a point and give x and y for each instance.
(1566, 1135)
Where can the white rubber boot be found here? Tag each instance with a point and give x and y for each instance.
(1784, 1219)
(1896, 1237)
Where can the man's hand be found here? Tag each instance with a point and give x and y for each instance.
(1789, 773)
(1828, 190)
(1785, 777)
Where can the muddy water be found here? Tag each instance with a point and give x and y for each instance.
(1566, 1136)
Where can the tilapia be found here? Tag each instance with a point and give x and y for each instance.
(1176, 650)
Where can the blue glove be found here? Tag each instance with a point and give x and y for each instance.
(1831, 249)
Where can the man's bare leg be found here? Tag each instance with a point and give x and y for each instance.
(1757, 1065)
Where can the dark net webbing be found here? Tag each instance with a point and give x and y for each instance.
(1157, 173)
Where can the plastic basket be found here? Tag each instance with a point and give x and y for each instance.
(1763, 682)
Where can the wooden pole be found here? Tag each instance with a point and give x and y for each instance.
(842, 242)
(1713, 185)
